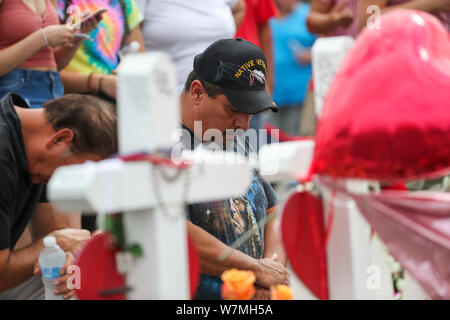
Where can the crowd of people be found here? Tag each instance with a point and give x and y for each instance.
(58, 62)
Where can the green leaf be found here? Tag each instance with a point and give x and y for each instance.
(136, 250)
(114, 224)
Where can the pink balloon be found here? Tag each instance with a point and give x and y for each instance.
(387, 113)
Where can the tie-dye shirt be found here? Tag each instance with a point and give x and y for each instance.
(102, 54)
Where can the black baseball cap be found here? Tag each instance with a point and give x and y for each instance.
(239, 68)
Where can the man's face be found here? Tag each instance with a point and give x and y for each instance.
(52, 152)
(41, 171)
(218, 113)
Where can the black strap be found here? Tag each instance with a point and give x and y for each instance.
(124, 14)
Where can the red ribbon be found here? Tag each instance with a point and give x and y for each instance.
(155, 159)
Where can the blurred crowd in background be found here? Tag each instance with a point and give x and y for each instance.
(49, 48)
(42, 56)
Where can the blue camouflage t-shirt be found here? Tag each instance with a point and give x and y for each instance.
(229, 219)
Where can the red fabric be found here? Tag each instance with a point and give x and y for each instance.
(97, 263)
(311, 85)
(416, 230)
(257, 12)
(156, 160)
(283, 136)
(303, 235)
(415, 227)
(194, 267)
(386, 116)
(398, 187)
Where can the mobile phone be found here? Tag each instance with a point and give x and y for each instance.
(86, 20)
(99, 12)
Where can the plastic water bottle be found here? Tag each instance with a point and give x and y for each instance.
(51, 259)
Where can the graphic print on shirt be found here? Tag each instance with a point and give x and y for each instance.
(238, 208)
(228, 220)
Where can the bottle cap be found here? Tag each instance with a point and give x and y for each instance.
(134, 46)
(49, 242)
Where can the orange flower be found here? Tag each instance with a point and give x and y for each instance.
(280, 292)
(238, 284)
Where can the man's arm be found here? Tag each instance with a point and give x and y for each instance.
(47, 218)
(264, 11)
(324, 18)
(267, 271)
(423, 5)
(17, 266)
(238, 12)
(272, 240)
(273, 249)
(210, 248)
(265, 39)
(135, 35)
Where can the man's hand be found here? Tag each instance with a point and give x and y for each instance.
(71, 239)
(62, 282)
(261, 293)
(342, 15)
(270, 272)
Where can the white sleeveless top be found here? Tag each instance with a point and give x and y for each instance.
(185, 28)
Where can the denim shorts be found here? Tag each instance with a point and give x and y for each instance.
(36, 87)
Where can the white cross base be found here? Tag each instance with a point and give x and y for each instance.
(355, 262)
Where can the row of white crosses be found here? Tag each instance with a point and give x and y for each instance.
(148, 116)
(357, 267)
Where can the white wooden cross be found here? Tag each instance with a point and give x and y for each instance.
(351, 253)
(148, 116)
(356, 261)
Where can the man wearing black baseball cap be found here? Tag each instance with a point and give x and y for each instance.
(232, 72)
(239, 68)
(225, 88)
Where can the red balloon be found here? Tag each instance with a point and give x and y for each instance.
(100, 279)
(194, 267)
(387, 113)
(99, 275)
(303, 235)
